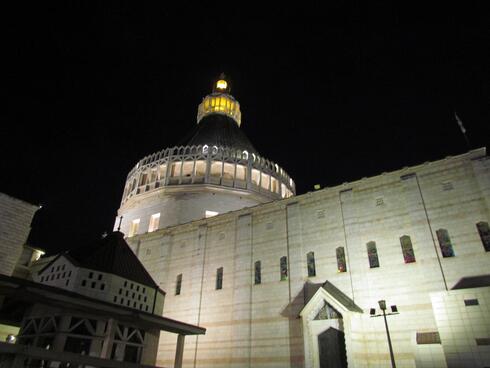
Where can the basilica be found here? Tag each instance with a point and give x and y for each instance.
(391, 270)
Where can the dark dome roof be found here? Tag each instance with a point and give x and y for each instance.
(222, 131)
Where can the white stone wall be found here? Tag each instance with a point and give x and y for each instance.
(181, 205)
(15, 225)
(259, 325)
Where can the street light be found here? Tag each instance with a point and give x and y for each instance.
(394, 310)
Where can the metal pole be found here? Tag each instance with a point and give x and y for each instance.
(389, 341)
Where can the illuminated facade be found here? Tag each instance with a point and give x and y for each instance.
(290, 280)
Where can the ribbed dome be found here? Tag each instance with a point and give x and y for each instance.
(222, 131)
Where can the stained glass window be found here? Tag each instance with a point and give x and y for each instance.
(310, 261)
(178, 284)
(372, 254)
(407, 249)
(219, 278)
(258, 273)
(341, 265)
(484, 232)
(284, 268)
(445, 243)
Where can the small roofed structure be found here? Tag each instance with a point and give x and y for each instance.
(95, 305)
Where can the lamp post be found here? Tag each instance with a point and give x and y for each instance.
(394, 310)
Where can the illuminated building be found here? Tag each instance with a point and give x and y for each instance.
(288, 281)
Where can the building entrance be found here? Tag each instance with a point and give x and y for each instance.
(331, 349)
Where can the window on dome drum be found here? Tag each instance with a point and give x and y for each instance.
(265, 181)
(178, 284)
(153, 175)
(310, 262)
(133, 230)
(143, 179)
(284, 268)
(187, 168)
(162, 172)
(341, 264)
(228, 171)
(175, 169)
(255, 176)
(407, 249)
(372, 254)
(200, 168)
(216, 167)
(241, 172)
(484, 231)
(219, 278)
(275, 185)
(154, 222)
(445, 243)
(258, 273)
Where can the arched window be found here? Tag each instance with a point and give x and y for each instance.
(372, 254)
(219, 278)
(258, 273)
(484, 232)
(284, 268)
(341, 264)
(310, 262)
(407, 249)
(178, 284)
(445, 243)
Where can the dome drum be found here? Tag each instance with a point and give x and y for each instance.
(220, 166)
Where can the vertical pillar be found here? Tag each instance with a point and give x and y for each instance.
(108, 339)
(61, 330)
(179, 351)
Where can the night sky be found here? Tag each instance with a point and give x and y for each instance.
(332, 96)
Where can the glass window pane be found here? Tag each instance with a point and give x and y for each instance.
(372, 254)
(200, 168)
(265, 181)
(255, 176)
(258, 273)
(284, 268)
(484, 231)
(228, 171)
(241, 172)
(187, 168)
(310, 261)
(216, 168)
(445, 243)
(341, 264)
(407, 249)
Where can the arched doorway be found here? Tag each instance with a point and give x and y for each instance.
(331, 349)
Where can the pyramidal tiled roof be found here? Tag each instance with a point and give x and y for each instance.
(111, 254)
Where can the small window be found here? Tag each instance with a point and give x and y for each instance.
(125, 283)
(133, 230)
(120, 291)
(63, 268)
(144, 290)
(122, 301)
(445, 243)
(84, 282)
(380, 201)
(146, 308)
(134, 305)
(144, 299)
(484, 231)
(100, 276)
(67, 282)
(341, 264)
(93, 285)
(310, 262)
(407, 249)
(128, 302)
(284, 268)
(154, 222)
(58, 276)
(115, 299)
(219, 278)
(63, 276)
(131, 286)
(90, 275)
(258, 273)
(132, 296)
(470, 302)
(69, 274)
(372, 254)
(137, 288)
(178, 284)
(102, 287)
(42, 278)
(127, 292)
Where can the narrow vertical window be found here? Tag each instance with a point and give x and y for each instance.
(178, 284)
(219, 278)
(445, 243)
(484, 232)
(134, 227)
(154, 222)
(310, 262)
(284, 268)
(407, 249)
(258, 273)
(372, 254)
(341, 265)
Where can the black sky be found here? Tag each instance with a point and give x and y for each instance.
(332, 96)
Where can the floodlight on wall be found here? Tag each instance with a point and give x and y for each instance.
(372, 311)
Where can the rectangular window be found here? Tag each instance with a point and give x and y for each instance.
(178, 284)
(154, 222)
(219, 278)
(187, 168)
(310, 262)
(143, 179)
(175, 169)
(284, 268)
(265, 181)
(228, 171)
(162, 172)
(255, 176)
(341, 264)
(200, 168)
(133, 230)
(372, 254)
(484, 231)
(258, 273)
(407, 249)
(241, 172)
(470, 302)
(216, 167)
(445, 243)
(274, 185)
